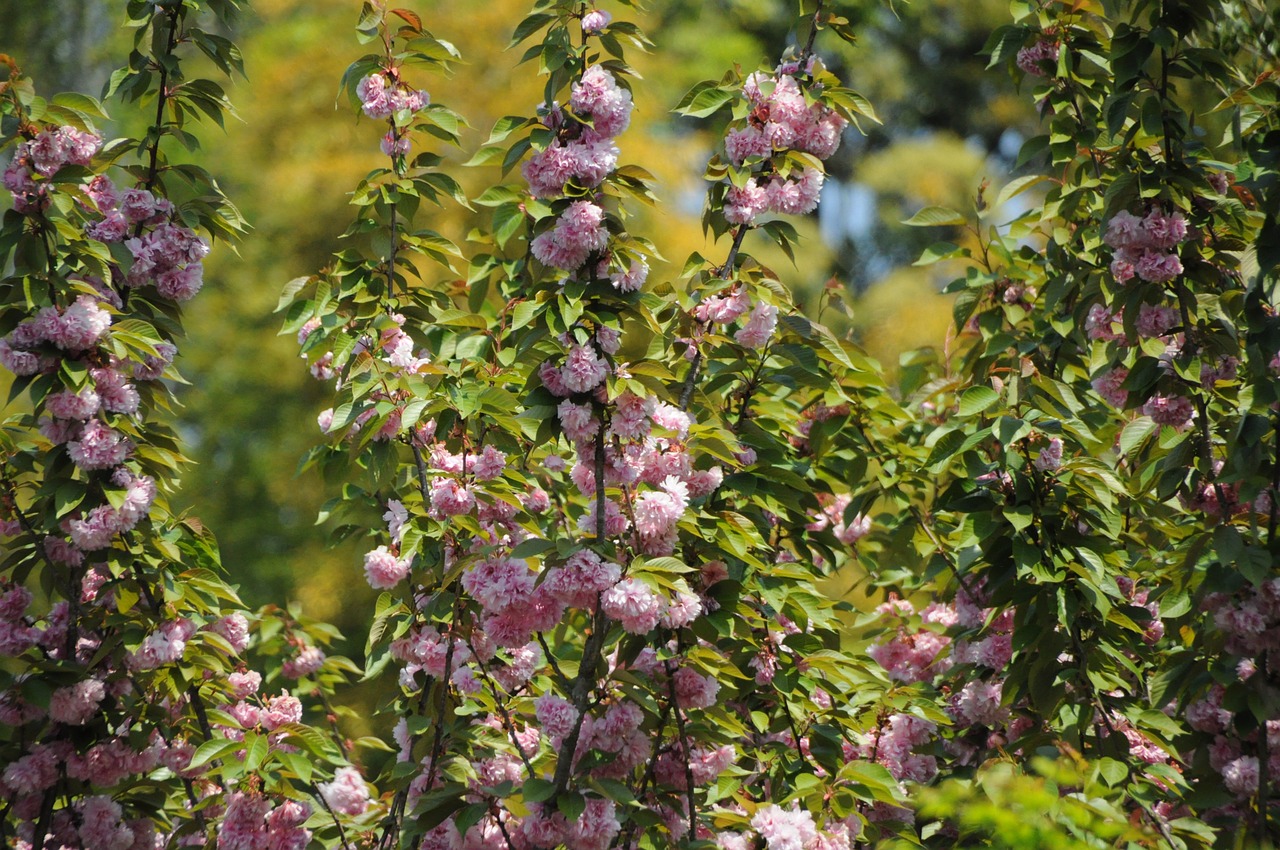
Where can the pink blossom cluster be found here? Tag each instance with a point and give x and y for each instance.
(578, 233)
(347, 793)
(595, 21)
(252, 823)
(163, 646)
(1145, 246)
(781, 120)
(16, 634)
(36, 343)
(385, 95)
(165, 252)
(398, 356)
(797, 195)
(1039, 59)
(832, 516)
(42, 157)
(305, 662)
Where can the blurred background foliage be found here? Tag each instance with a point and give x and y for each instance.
(296, 152)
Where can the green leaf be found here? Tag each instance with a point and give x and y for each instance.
(977, 399)
(935, 216)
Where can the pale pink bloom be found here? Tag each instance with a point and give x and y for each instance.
(583, 369)
(449, 497)
(1098, 324)
(235, 628)
(79, 327)
(116, 393)
(1155, 267)
(69, 405)
(1164, 231)
(393, 145)
(383, 570)
(746, 142)
(180, 283)
(595, 20)
(75, 705)
(1050, 457)
(347, 793)
(1109, 386)
(244, 826)
(785, 829)
(599, 95)
(555, 715)
(633, 604)
(1174, 411)
(681, 611)
(672, 418)
(499, 583)
(137, 205)
(632, 279)
(694, 690)
(101, 826)
(794, 196)
(1156, 320)
(978, 703)
(244, 684)
(1241, 776)
(281, 710)
(723, 309)
(308, 660)
(396, 517)
(743, 204)
(759, 327)
(374, 96)
(490, 464)
(582, 578)
(657, 512)
(1037, 58)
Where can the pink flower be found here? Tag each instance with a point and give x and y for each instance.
(785, 829)
(746, 142)
(797, 196)
(449, 497)
(599, 95)
(101, 826)
(1050, 457)
(347, 793)
(374, 98)
(1109, 385)
(1174, 411)
(582, 578)
(1155, 267)
(632, 279)
(235, 628)
(1038, 58)
(759, 327)
(743, 204)
(633, 604)
(1156, 320)
(244, 684)
(1241, 776)
(383, 570)
(583, 369)
(75, 705)
(281, 710)
(694, 690)
(595, 20)
(1164, 231)
(308, 660)
(657, 512)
